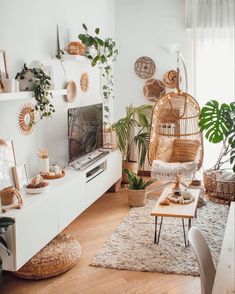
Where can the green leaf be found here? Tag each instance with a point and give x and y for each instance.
(84, 26)
(97, 31)
(215, 121)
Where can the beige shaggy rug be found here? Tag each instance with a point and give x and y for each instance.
(131, 246)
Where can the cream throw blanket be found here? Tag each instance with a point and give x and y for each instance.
(168, 170)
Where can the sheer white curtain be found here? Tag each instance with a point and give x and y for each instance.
(212, 26)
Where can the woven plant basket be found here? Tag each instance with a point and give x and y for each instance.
(7, 195)
(218, 190)
(136, 198)
(57, 257)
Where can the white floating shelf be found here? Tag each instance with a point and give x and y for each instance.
(68, 57)
(27, 95)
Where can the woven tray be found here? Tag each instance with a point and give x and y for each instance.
(48, 177)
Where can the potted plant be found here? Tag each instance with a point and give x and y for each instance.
(36, 80)
(101, 52)
(133, 135)
(218, 123)
(5, 222)
(137, 189)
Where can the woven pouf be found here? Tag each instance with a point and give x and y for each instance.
(55, 258)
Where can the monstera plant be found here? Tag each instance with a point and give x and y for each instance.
(218, 123)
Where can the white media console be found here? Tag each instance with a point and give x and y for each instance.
(45, 215)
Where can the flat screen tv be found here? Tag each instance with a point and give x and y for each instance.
(85, 128)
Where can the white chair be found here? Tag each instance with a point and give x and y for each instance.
(204, 260)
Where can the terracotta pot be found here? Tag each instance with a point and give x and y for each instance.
(137, 198)
(132, 166)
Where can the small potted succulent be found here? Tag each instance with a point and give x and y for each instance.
(137, 189)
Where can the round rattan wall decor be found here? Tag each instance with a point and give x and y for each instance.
(26, 119)
(170, 79)
(145, 67)
(84, 82)
(154, 90)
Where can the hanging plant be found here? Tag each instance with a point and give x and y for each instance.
(101, 52)
(36, 80)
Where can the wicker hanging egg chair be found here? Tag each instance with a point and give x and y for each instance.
(175, 116)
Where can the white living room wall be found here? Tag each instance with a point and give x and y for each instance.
(146, 28)
(28, 33)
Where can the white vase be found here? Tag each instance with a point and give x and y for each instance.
(44, 165)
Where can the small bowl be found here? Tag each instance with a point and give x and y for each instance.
(36, 190)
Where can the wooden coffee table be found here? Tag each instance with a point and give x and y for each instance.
(183, 211)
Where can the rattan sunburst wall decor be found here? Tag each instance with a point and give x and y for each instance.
(84, 82)
(26, 119)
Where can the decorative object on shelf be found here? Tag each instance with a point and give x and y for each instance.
(7, 161)
(109, 137)
(104, 53)
(36, 185)
(136, 189)
(53, 175)
(61, 254)
(145, 67)
(71, 88)
(36, 80)
(75, 48)
(20, 174)
(5, 222)
(84, 82)
(8, 196)
(1, 83)
(170, 79)
(154, 90)
(26, 119)
(7, 85)
(44, 160)
(59, 53)
(137, 119)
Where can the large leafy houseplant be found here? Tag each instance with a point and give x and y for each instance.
(218, 123)
(133, 132)
(101, 52)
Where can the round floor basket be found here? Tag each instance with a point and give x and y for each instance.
(136, 198)
(57, 257)
(219, 189)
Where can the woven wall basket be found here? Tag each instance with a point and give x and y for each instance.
(219, 191)
(57, 257)
(136, 198)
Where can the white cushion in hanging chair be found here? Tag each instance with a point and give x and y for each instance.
(169, 170)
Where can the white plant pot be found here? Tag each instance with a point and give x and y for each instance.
(44, 166)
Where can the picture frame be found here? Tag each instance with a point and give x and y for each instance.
(20, 174)
(7, 161)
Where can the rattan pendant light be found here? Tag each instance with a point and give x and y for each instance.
(176, 115)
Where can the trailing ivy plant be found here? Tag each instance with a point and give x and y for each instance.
(218, 122)
(41, 85)
(101, 52)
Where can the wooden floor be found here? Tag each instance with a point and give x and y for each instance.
(91, 229)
